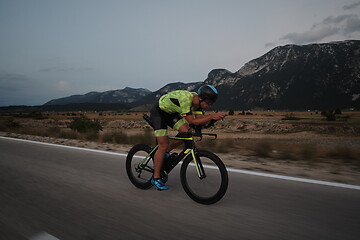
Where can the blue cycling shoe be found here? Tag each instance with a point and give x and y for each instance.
(158, 183)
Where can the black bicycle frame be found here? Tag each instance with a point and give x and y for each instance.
(171, 163)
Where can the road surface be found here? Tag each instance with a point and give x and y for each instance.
(51, 192)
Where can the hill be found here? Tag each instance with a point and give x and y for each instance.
(290, 77)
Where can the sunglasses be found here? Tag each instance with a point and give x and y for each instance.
(208, 101)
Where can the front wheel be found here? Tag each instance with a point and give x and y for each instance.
(211, 186)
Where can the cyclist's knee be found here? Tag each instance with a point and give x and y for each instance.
(184, 128)
(163, 143)
(163, 147)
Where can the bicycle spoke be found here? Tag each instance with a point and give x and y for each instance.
(140, 166)
(205, 186)
(211, 185)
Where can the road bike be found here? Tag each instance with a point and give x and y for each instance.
(203, 175)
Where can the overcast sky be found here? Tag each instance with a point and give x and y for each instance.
(56, 48)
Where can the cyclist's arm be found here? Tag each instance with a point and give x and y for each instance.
(203, 119)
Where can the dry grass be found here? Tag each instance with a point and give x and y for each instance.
(119, 137)
(128, 128)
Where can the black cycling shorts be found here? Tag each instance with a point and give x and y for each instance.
(161, 120)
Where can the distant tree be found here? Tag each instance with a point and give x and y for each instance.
(231, 112)
(329, 115)
(338, 111)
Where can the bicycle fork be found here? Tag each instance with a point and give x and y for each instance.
(197, 162)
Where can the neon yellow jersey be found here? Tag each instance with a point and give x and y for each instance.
(179, 101)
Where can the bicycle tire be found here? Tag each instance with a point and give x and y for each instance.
(194, 186)
(140, 178)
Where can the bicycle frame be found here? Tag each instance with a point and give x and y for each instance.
(203, 188)
(189, 149)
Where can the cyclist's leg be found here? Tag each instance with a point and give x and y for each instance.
(181, 126)
(160, 126)
(163, 142)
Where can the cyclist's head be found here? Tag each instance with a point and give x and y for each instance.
(208, 93)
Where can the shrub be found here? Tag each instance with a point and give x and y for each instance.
(290, 116)
(115, 137)
(84, 124)
(68, 134)
(218, 146)
(338, 111)
(231, 112)
(308, 152)
(53, 131)
(146, 137)
(91, 136)
(341, 152)
(329, 115)
(262, 149)
(10, 123)
(33, 115)
(119, 137)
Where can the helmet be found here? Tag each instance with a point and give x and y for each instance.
(208, 93)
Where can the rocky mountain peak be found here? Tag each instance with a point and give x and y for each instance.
(298, 77)
(314, 76)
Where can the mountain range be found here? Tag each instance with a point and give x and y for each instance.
(291, 77)
(127, 95)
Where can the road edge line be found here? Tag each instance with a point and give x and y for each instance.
(295, 179)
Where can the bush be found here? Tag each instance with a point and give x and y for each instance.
(338, 111)
(119, 137)
(329, 115)
(231, 112)
(84, 124)
(308, 152)
(290, 116)
(218, 146)
(33, 115)
(262, 149)
(115, 137)
(10, 123)
(91, 136)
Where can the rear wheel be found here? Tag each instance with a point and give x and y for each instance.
(212, 186)
(140, 166)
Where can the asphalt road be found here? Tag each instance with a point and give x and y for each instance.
(63, 193)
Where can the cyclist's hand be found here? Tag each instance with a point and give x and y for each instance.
(218, 116)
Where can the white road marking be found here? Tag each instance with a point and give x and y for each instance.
(64, 146)
(296, 179)
(43, 236)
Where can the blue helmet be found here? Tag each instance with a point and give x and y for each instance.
(208, 93)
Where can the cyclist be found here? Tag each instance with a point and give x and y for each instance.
(177, 110)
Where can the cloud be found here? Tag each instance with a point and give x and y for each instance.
(18, 89)
(352, 25)
(345, 25)
(316, 33)
(64, 69)
(10, 82)
(351, 6)
(63, 85)
(15, 89)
